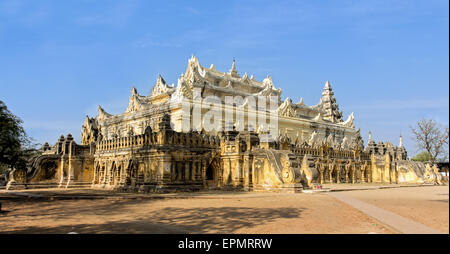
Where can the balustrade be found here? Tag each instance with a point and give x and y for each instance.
(178, 138)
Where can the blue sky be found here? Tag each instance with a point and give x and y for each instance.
(387, 61)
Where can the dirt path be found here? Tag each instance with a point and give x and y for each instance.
(425, 205)
(402, 224)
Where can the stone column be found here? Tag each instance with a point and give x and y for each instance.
(246, 169)
(192, 168)
(123, 174)
(226, 170)
(330, 173)
(110, 174)
(173, 172)
(62, 177)
(353, 172)
(100, 173)
(236, 172)
(338, 172)
(198, 169)
(105, 173)
(202, 167)
(71, 174)
(96, 174)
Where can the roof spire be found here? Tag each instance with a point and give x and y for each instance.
(160, 79)
(233, 71)
(400, 141)
(134, 91)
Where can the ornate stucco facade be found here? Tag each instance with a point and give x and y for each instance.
(157, 144)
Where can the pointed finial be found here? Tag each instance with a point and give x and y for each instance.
(301, 100)
(160, 79)
(327, 85)
(370, 136)
(134, 90)
(233, 71)
(400, 141)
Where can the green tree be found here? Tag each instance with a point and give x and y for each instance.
(423, 157)
(431, 137)
(14, 142)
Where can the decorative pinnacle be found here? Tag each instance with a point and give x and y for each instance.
(134, 90)
(160, 79)
(233, 70)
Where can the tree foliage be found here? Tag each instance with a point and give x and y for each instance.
(431, 137)
(14, 142)
(423, 157)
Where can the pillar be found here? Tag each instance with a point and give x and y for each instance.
(338, 173)
(62, 177)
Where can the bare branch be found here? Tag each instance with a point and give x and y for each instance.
(431, 137)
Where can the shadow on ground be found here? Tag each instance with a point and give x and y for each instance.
(123, 216)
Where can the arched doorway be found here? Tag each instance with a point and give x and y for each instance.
(131, 173)
(210, 177)
(212, 174)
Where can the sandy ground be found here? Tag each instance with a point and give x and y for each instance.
(426, 205)
(99, 212)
